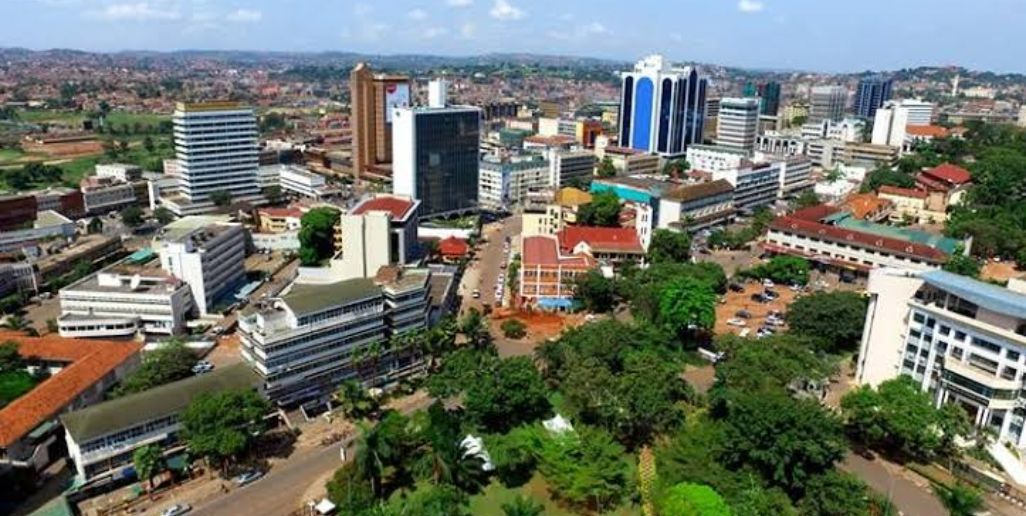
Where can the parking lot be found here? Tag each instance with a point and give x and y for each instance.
(736, 305)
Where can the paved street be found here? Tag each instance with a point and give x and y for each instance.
(484, 271)
(910, 493)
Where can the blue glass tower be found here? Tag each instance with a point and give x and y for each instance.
(872, 92)
(662, 110)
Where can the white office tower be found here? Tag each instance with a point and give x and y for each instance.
(206, 252)
(438, 94)
(216, 151)
(962, 340)
(892, 120)
(662, 109)
(738, 123)
(366, 244)
(828, 103)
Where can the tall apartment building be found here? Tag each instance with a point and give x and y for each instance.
(569, 168)
(891, 122)
(505, 182)
(372, 99)
(662, 109)
(207, 253)
(711, 158)
(307, 341)
(755, 184)
(436, 156)
(216, 151)
(738, 123)
(129, 297)
(795, 175)
(769, 96)
(871, 93)
(960, 339)
(827, 103)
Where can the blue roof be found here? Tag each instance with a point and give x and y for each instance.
(983, 294)
(142, 255)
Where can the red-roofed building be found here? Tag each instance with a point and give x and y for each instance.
(403, 213)
(946, 184)
(546, 273)
(453, 249)
(81, 370)
(916, 134)
(607, 245)
(912, 205)
(401, 208)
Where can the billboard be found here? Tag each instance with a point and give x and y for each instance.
(396, 95)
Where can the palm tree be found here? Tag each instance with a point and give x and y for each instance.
(372, 454)
(959, 499)
(475, 329)
(446, 461)
(356, 403)
(522, 506)
(15, 322)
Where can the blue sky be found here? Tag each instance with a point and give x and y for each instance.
(827, 35)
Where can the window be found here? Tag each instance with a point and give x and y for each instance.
(957, 353)
(960, 336)
(918, 317)
(944, 330)
(1012, 356)
(931, 322)
(915, 334)
(989, 346)
(1009, 373)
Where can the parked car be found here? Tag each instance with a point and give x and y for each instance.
(176, 509)
(772, 294)
(768, 283)
(248, 477)
(736, 287)
(476, 294)
(202, 366)
(744, 314)
(737, 322)
(760, 298)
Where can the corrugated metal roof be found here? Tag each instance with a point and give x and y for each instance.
(983, 294)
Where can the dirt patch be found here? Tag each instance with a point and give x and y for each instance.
(733, 302)
(541, 326)
(999, 271)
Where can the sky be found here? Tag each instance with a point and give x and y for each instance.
(814, 35)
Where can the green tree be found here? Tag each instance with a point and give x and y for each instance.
(317, 235)
(350, 491)
(586, 468)
(606, 168)
(676, 167)
(15, 322)
(513, 454)
(355, 402)
(806, 199)
(902, 419)
(522, 506)
(444, 459)
(887, 176)
(603, 210)
(836, 493)
(148, 461)
(10, 360)
(221, 198)
(374, 452)
(274, 195)
(168, 363)
(960, 499)
(960, 263)
(474, 327)
(514, 394)
(221, 426)
(148, 144)
(790, 270)
(163, 215)
(669, 246)
(771, 367)
(514, 329)
(132, 215)
(596, 292)
(835, 319)
(95, 226)
(687, 304)
(431, 500)
(692, 500)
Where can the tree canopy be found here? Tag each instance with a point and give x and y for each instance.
(221, 425)
(669, 246)
(603, 210)
(687, 304)
(317, 235)
(168, 363)
(835, 319)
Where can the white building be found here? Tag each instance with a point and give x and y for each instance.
(119, 171)
(216, 151)
(960, 339)
(505, 183)
(663, 107)
(779, 144)
(698, 206)
(827, 103)
(313, 337)
(104, 194)
(206, 252)
(567, 168)
(845, 130)
(894, 117)
(49, 225)
(714, 158)
(302, 182)
(129, 297)
(738, 123)
(795, 175)
(755, 184)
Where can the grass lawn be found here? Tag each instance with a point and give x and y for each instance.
(36, 116)
(146, 119)
(489, 502)
(8, 155)
(13, 384)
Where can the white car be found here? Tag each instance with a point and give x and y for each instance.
(176, 509)
(768, 283)
(202, 367)
(737, 322)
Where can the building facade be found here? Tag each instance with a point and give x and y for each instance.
(662, 109)
(207, 253)
(755, 184)
(738, 123)
(713, 158)
(695, 207)
(372, 97)
(871, 93)
(570, 168)
(960, 339)
(505, 182)
(827, 103)
(436, 157)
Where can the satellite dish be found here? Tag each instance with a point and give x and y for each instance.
(136, 281)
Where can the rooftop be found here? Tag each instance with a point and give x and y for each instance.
(183, 227)
(932, 240)
(111, 416)
(601, 239)
(209, 106)
(864, 205)
(551, 141)
(570, 196)
(718, 148)
(399, 207)
(88, 362)
(543, 251)
(952, 174)
(690, 193)
(306, 298)
(987, 295)
(928, 131)
(903, 192)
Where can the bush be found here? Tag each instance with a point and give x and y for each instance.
(514, 329)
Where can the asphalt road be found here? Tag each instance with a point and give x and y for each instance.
(891, 481)
(484, 272)
(280, 492)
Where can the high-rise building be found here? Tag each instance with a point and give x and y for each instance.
(828, 103)
(738, 123)
(436, 157)
(208, 253)
(768, 93)
(216, 151)
(662, 109)
(872, 92)
(372, 97)
(894, 117)
(959, 339)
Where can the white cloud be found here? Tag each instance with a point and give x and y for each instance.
(417, 14)
(245, 16)
(459, 3)
(503, 10)
(467, 30)
(594, 29)
(139, 11)
(750, 6)
(434, 32)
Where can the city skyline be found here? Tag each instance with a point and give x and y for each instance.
(806, 35)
